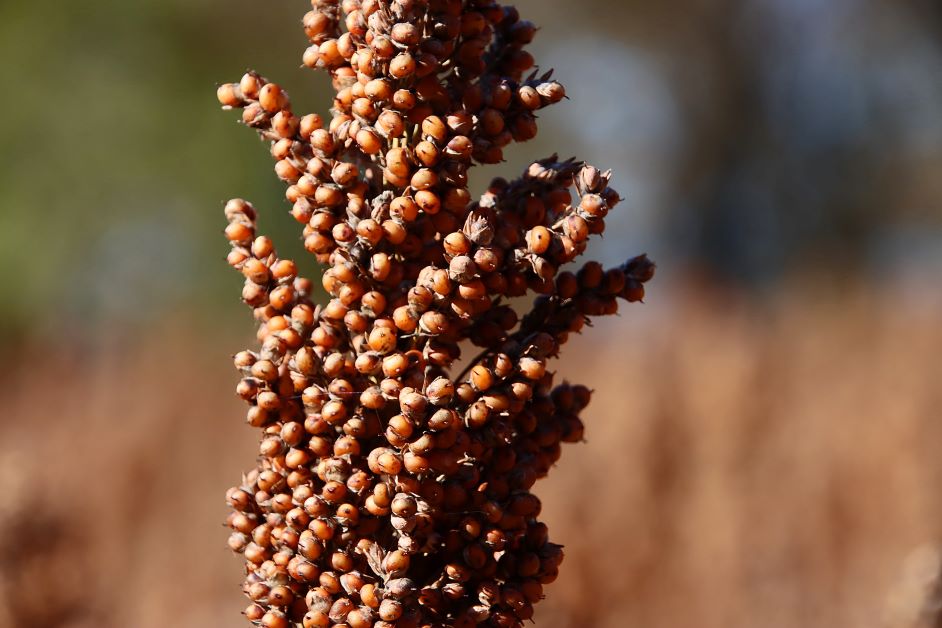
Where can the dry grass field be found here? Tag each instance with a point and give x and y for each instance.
(750, 464)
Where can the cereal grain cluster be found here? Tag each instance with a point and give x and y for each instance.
(405, 421)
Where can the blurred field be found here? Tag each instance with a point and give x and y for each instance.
(749, 463)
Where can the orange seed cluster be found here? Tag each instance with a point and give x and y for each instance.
(392, 488)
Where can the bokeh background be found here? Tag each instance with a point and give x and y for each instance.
(763, 445)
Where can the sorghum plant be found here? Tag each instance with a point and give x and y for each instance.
(393, 484)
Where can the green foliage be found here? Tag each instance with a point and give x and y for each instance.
(112, 132)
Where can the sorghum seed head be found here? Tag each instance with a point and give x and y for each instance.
(375, 437)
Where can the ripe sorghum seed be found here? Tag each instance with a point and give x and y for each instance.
(481, 377)
(229, 95)
(402, 66)
(539, 239)
(363, 108)
(457, 243)
(369, 141)
(404, 505)
(389, 463)
(396, 562)
(250, 85)
(433, 323)
(272, 98)
(404, 207)
(427, 153)
(274, 619)
(390, 610)
(239, 233)
(378, 89)
(424, 179)
(390, 124)
(280, 596)
(404, 100)
(428, 202)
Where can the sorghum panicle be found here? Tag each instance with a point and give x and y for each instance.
(390, 489)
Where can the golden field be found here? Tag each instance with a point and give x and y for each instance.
(749, 463)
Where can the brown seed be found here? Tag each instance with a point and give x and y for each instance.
(398, 161)
(593, 205)
(427, 153)
(322, 140)
(529, 97)
(363, 108)
(492, 122)
(382, 339)
(415, 463)
(382, 494)
(308, 124)
(359, 618)
(256, 271)
(262, 247)
(284, 270)
(552, 91)
(239, 233)
(374, 303)
(441, 282)
(402, 66)
(369, 596)
(369, 141)
(406, 320)
(282, 298)
(334, 412)
(390, 610)
(462, 269)
(372, 398)
(380, 266)
(389, 463)
(284, 124)
(274, 619)
(395, 180)
(433, 323)
(390, 124)
(428, 202)
(424, 179)
(441, 391)
(405, 33)
(343, 174)
(395, 562)
(460, 147)
(370, 231)
(315, 24)
(250, 84)
(404, 505)
(456, 243)
(473, 290)
(378, 90)
(590, 276)
(229, 95)
(254, 612)
(328, 54)
(316, 619)
(272, 98)
(481, 377)
(434, 128)
(394, 365)
(539, 239)
(280, 596)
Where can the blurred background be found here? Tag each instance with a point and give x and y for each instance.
(762, 448)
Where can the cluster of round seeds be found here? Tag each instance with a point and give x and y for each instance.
(391, 489)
